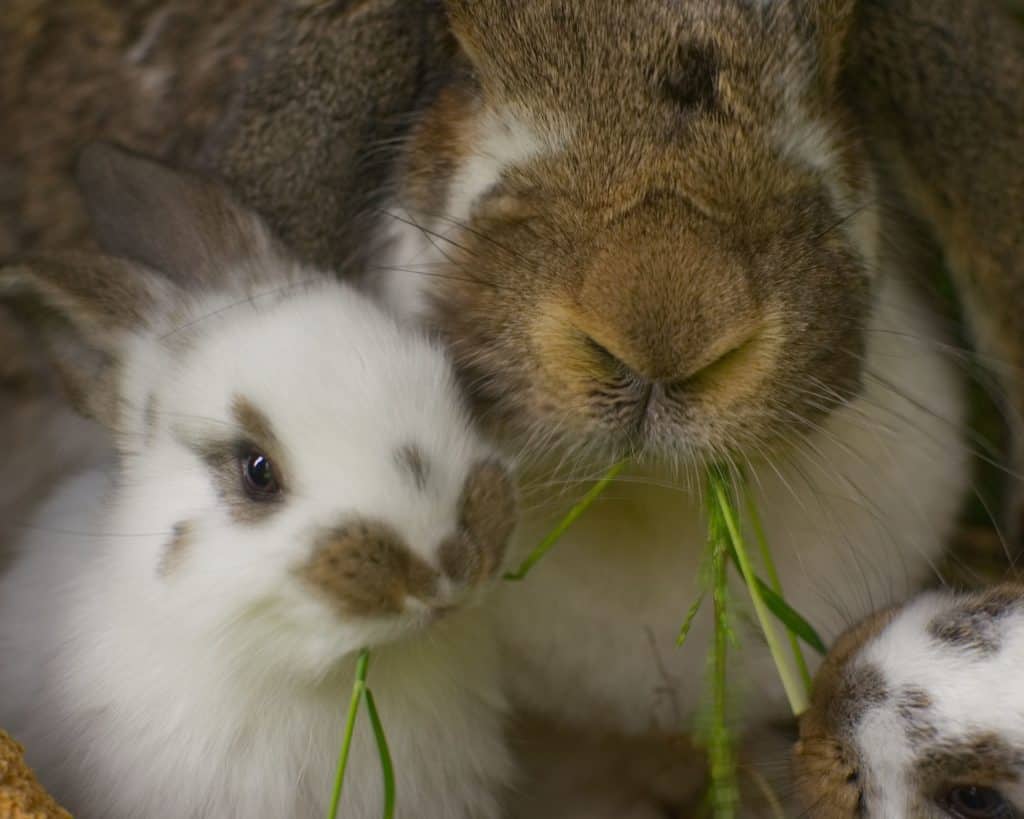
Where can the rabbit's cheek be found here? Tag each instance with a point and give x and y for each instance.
(487, 517)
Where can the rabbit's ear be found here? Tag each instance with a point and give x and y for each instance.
(83, 308)
(185, 227)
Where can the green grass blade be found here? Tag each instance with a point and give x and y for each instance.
(358, 690)
(386, 768)
(684, 632)
(724, 790)
(555, 534)
(795, 624)
(796, 692)
(776, 586)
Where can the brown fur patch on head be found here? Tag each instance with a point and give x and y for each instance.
(975, 624)
(825, 765)
(365, 569)
(487, 518)
(413, 462)
(981, 759)
(914, 706)
(176, 549)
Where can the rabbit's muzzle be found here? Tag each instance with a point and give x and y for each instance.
(366, 568)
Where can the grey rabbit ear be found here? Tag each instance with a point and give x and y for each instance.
(174, 222)
(82, 308)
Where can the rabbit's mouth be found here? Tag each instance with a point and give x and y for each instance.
(748, 396)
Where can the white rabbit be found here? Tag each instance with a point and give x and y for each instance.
(918, 712)
(297, 479)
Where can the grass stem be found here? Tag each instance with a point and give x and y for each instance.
(358, 690)
(796, 691)
(563, 525)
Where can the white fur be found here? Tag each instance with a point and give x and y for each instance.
(970, 693)
(500, 140)
(220, 689)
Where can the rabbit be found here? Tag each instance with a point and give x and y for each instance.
(916, 713)
(677, 261)
(297, 479)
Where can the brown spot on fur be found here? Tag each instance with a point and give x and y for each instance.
(914, 707)
(412, 460)
(862, 687)
(486, 520)
(975, 624)
(365, 569)
(826, 767)
(253, 422)
(226, 458)
(979, 759)
(176, 549)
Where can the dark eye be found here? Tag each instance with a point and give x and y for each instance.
(976, 802)
(259, 477)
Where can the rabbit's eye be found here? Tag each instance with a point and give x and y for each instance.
(977, 802)
(258, 474)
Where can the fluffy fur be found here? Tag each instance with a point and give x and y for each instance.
(194, 666)
(689, 268)
(916, 704)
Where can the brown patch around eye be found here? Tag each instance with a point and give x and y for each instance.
(176, 548)
(413, 461)
(365, 569)
(253, 422)
(487, 518)
(226, 460)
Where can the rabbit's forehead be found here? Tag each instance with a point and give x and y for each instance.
(946, 698)
(353, 405)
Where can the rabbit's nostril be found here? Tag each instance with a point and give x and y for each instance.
(720, 357)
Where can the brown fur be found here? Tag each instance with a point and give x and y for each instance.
(366, 569)
(826, 772)
(938, 87)
(155, 75)
(665, 243)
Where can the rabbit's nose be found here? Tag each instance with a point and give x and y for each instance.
(487, 515)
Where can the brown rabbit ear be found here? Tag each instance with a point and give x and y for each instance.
(83, 307)
(185, 227)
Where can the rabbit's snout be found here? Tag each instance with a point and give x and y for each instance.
(366, 568)
(652, 329)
